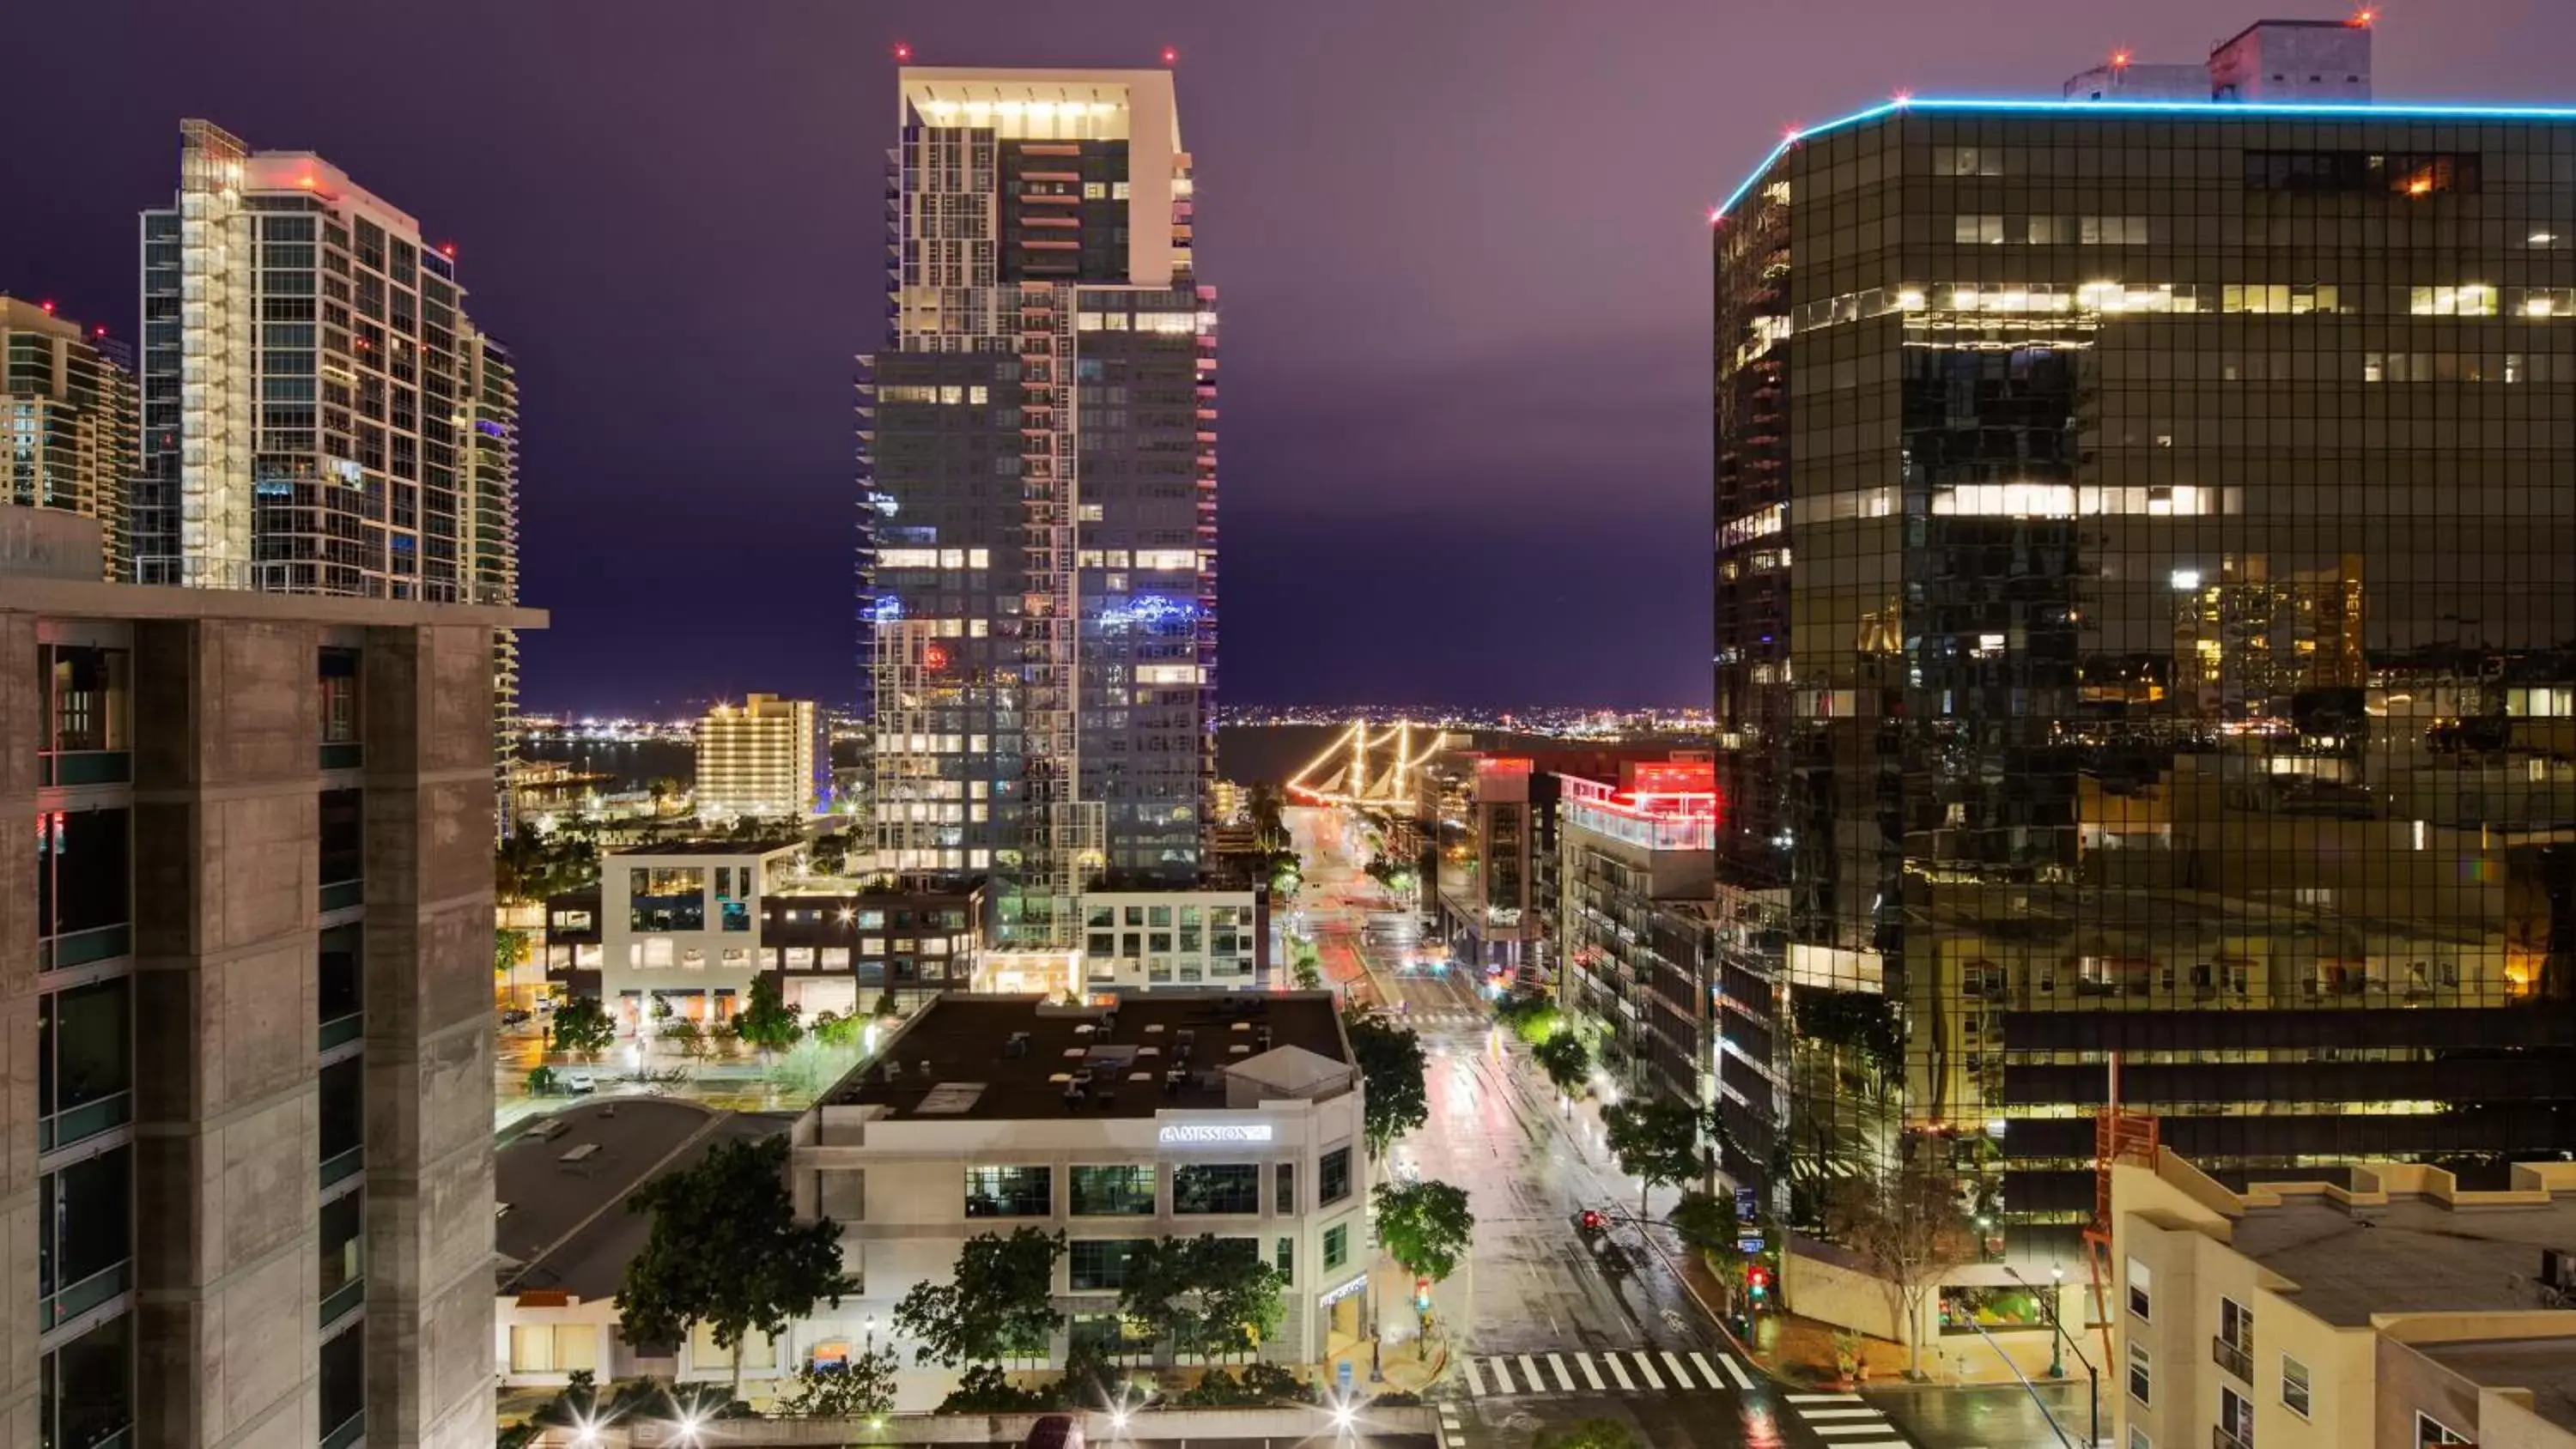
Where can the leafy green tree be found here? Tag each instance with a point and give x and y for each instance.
(864, 1389)
(1655, 1142)
(983, 1390)
(660, 1010)
(765, 1024)
(582, 1028)
(887, 1005)
(1532, 1018)
(691, 1040)
(1707, 1222)
(1391, 1072)
(996, 1304)
(1566, 1060)
(1589, 1434)
(1423, 1225)
(541, 1080)
(1205, 1295)
(509, 948)
(838, 1031)
(725, 1250)
(1255, 1385)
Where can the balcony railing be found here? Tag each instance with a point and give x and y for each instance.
(81, 1297)
(84, 767)
(341, 895)
(2219, 1438)
(347, 755)
(342, 1167)
(340, 1031)
(2228, 1356)
(76, 1124)
(352, 1430)
(342, 1301)
(79, 948)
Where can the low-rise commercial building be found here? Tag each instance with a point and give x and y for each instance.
(2373, 1304)
(1174, 1113)
(681, 921)
(1149, 940)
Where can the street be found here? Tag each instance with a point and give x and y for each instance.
(1547, 1329)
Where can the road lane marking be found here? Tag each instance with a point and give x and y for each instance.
(1619, 1371)
(1556, 1366)
(1824, 1398)
(1829, 1430)
(1736, 1372)
(1529, 1375)
(1475, 1380)
(1811, 1415)
(1591, 1375)
(1705, 1371)
(1646, 1366)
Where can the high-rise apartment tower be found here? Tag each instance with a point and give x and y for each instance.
(1038, 437)
(2146, 640)
(67, 420)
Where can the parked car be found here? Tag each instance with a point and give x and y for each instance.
(517, 1016)
(580, 1084)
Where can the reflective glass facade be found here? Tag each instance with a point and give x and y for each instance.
(2146, 632)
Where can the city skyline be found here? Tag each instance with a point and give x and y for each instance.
(1572, 319)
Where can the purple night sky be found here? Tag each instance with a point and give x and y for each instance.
(1460, 246)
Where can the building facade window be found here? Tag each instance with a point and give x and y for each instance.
(1337, 1246)
(1010, 1192)
(1333, 1176)
(1216, 1187)
(2142, 1374)
(2141, 1291)
(2235, 1420)
(1125, 1190)
(2431, 1432)
(1098, 1265)
(1284, 1189)
(2294, 1386)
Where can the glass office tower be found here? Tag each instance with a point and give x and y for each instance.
(1038, 446)
(2146, 639)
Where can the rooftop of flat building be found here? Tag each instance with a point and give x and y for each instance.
(1155, 1051)
(2377, 1249)
(2545, 1366)
(766, 845)
(560, 1188)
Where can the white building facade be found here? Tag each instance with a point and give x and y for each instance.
(758, 760)
(682, 922)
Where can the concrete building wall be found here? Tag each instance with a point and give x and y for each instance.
(21, 698)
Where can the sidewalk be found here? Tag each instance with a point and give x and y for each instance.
(1802, 1351)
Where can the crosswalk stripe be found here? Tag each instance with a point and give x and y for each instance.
(1556, 1366)
(1619, 1371)
(1811, 1415)
(1876, 1444)
(1591, 1375)
(1707, 1372)
(1829, 1430)
(1475, 1380)
(1681, 1371)
(1824, 1398)
(1646, 1366)
(1529, 1375)
(1736, 1372)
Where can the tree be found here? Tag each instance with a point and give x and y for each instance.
(995, 1305)
(1707, 1223)
(1566, 1060)
(863, 1389)
(583, 1028)
(887, 1005)
(725, 1250)
(1391, 1072)
(541, 1080)
(509, 948)
(764, 1023)
(983, 1390)
(1655, 1142)
(1423, 1225)
(838, 1031)
(1534, 1019)
(1589, 1434)
(1908, 1231)
(661, 1009)
(1205, 1295)
(693, 1041)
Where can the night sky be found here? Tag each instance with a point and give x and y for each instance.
(1460, 247)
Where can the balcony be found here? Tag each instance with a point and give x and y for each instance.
(2228, 1356)
(84, 767)
(343, 1301)
(79, 1298)
(341, 1031)
(2219, 1438)
(77, 1124)
(352, 1430)
(342, 1166)
(79, 948)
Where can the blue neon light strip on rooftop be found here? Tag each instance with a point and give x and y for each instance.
(2198, 110)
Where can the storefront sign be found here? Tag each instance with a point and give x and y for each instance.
(1182, 1134)
(1333, 1295)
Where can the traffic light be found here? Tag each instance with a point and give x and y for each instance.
(1422, 1294)
(1757, 1283)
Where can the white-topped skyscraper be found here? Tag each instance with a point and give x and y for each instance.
(1038, 446)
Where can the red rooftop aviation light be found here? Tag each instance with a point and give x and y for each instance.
(1171, 55)
(902, 52)
(2363, 18)
(2119, 60)
(447, 250)
(48, 305)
